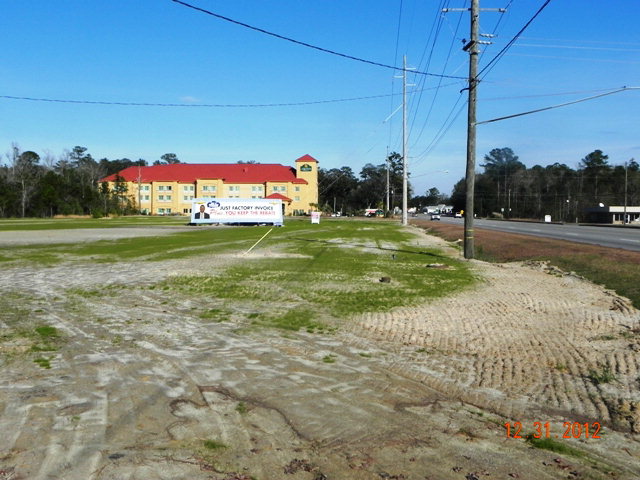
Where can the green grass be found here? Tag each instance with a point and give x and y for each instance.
(13, 224)
(213, 445)
(616, 269)
(604, 375)
(622, 277)
(554, 446)
(332, 272)
(329, 359)
(321, 275)
(43, 362)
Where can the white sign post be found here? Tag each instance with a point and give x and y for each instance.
(315, 217)
(237, 210)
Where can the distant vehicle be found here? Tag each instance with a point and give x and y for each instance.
(435, 216)
(373, 212)
(458, 215)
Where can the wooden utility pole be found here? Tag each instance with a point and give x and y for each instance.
(470, 178)
(472, 47)
(405, 150)
(387, 161)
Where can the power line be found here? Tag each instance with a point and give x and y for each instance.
(556, 106)
(578, 47)
(304, 44)
(196, 105)
(501, 53)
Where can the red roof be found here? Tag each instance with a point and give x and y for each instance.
(228, 172)
(306, 158)
(279, 196)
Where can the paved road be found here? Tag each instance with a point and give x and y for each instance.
(627, 238)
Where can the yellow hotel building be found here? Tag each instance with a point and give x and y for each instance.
(170, 189)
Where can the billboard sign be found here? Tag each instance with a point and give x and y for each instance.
(237, 210)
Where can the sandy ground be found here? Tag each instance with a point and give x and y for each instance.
(140, 382)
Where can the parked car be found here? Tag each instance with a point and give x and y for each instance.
(435, 216)
(458, 215)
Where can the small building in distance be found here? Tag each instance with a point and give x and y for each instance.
(170, 189)
(613, 214)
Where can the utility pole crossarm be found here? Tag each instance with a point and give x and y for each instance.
(500, 10)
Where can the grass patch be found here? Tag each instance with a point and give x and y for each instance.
(329, 273)
(213, 445)
(46, 331)
(215, 315)
(210, 241)
(43, 362)
(17, 224)
(604, 375)
(553, 446)
(241, 408)
(616, 269)
(329, 358)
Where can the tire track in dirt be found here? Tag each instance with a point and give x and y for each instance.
(522, 333)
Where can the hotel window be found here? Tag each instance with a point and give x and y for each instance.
(187, 188)
(186, 210)
(161, 198)
(283, 189)
(161, 188)
(145, 198)
(208, 188)
(167, 210)
(234, 188)
(187, 198)
(297, 199)
(161, 211)
(145, 188)
(297, 189)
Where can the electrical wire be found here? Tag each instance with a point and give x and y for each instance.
(557, 106)
(196, 105)
(501, 53)
(304, 44)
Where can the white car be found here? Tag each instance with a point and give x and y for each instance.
(457, 215)
(435, 216)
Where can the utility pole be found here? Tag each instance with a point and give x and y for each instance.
(472, 47)
(388, 162)
(405, 150)
(470, 178)
(624, 215)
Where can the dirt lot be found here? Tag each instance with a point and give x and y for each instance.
(142, 388)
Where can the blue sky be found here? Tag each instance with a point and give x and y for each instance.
(161, 52)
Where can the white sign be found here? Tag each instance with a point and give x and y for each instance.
(315, 217)
(237, 210)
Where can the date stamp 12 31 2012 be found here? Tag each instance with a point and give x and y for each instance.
(544, 430)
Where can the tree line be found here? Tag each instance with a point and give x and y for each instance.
(507, 188)
(35, 186)
(44, 186)
(341, 191)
